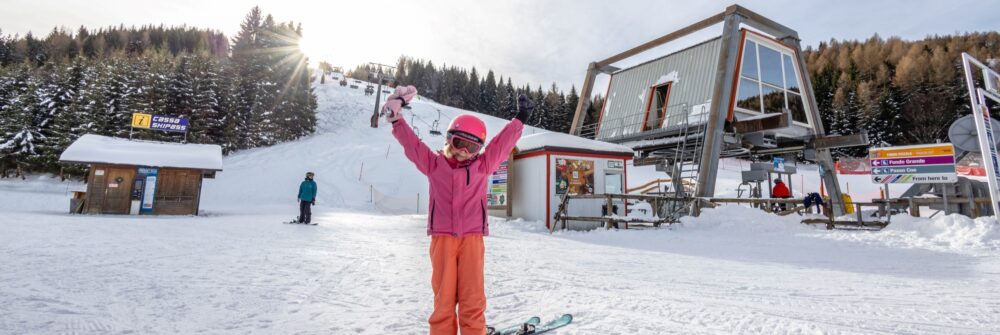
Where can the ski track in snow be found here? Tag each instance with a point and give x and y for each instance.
(364, 269)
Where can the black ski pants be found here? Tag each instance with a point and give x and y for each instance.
(305, 211)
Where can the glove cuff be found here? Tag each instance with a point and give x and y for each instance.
(402, 101)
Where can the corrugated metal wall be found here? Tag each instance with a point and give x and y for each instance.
(625, 108)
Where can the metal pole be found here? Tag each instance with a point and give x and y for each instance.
(790, 186)
(378, 95)
(888, 207)
(944, 192)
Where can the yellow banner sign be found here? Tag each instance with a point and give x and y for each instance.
(141, 120)
(913, 151)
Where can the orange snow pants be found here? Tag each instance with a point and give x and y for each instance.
(458, 280)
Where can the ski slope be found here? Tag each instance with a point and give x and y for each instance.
(364, 269)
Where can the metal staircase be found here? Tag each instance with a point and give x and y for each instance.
(687, 155)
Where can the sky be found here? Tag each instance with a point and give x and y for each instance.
(536, 42)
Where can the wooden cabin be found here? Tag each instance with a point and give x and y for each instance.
(142, 177)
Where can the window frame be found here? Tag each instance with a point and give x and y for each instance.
(649, 105)
(783, 50)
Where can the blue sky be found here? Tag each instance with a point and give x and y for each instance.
(534, 41)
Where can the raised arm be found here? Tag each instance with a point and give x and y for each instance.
(500, 146)
(415, 149)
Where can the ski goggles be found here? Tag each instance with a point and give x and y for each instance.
(463, 141)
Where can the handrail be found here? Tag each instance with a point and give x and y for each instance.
(670, 118)
(655, 181)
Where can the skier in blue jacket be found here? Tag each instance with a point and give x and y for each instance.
(307, 198)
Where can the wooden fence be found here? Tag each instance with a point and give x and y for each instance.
(680, 206)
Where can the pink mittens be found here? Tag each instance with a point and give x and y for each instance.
(395, 102)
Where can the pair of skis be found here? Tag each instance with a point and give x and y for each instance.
(296, 221)
(532, 326)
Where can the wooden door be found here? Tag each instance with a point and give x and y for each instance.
(110, 189)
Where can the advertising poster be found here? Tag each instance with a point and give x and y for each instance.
(498, 187)
(149, 174)
(574, 177)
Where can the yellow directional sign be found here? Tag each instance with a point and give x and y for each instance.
(913, 151)
(141, 120)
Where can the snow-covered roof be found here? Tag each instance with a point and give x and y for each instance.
(92, 148)
(560, 141)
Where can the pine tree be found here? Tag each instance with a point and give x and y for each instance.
(20, 133)
(206, 122)
(539, 117)
(230, 119)
(472, 92)
(248, 76)
(569, 108)
(553, 107)
(488, 95)
(57, 95)
(505, 100)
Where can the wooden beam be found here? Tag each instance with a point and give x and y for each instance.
(763, 23)
(664, 39)
(719, 107)
(584, 102)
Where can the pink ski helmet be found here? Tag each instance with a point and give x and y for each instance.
(469, 124)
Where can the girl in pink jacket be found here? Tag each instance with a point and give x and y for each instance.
(456, 220)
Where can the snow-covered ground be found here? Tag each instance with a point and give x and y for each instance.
(364, 269)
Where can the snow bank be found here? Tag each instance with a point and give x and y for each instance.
(952, 233)
(736, 219)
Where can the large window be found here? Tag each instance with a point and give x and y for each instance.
(769, 80)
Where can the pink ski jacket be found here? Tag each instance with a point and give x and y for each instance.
(458, 190)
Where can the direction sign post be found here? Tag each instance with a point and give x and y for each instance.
(914, 164)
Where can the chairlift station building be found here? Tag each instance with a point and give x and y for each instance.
(745, 92)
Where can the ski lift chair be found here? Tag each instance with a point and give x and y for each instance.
(434, 129)
(434, 126)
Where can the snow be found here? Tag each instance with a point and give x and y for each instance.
(669, 77)
(364, 269)
(560, 140)
(92, 148)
